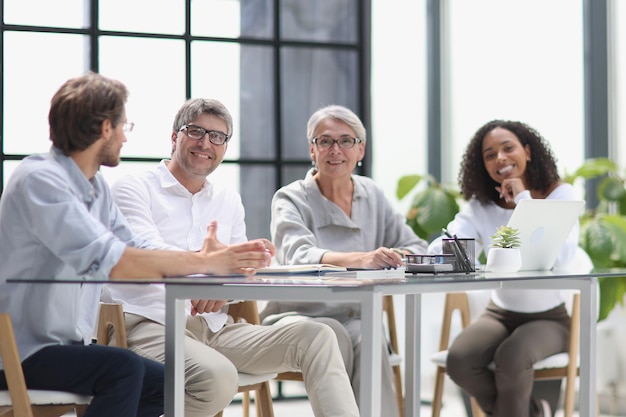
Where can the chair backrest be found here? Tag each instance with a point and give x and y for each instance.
(111, 326)
(392, 335)
(245, 311)
(13, 368)
(395, 359)
(20, 403)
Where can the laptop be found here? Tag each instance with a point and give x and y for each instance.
(544, 225)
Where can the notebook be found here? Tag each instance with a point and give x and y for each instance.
(544, 226)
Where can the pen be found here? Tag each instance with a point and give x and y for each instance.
(467, 266)
(459, 252)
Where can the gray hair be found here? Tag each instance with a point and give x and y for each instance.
(336, 112)
(196, 106)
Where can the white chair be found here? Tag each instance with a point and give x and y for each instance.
(19, 401)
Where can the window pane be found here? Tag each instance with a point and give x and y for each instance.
(215, 74)
(499, 69)
(258, 126)
(257, 189)
(330, 21)
(293, 173)
(57, 13)
(231, 19)
(257, 18)
(27, 97)
(146, 16)
(219, 18)
(9, 167)
(312, 78)
(156, 81)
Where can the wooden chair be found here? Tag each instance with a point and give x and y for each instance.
(19, 401)
(111, 325)
(553, 367)
(394, 358)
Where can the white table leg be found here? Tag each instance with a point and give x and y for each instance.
(371, 355)
(588, 315)
(413, 325)
(174, 355)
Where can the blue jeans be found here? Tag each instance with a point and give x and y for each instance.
(122, 383)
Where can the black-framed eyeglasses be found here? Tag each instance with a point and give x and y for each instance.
(344, 142)
(197, 133)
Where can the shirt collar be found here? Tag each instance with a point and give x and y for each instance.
(168, 180)
(332, 214)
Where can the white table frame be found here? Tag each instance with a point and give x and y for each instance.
(370, 298)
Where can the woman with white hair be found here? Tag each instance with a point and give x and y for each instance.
(336, 217)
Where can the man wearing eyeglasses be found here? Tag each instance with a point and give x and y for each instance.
(172, 204)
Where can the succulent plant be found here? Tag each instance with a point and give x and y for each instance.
(506, 237)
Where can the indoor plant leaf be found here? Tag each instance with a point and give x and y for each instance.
(406, 184)
(434, 208)
(611, 294)
(594, 167)
(611, 189)
(596, 241)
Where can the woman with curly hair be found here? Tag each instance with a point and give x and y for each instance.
(505, 162)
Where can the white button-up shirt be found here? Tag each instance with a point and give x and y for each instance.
(160, 209)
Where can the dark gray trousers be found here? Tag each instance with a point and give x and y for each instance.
(514, 342)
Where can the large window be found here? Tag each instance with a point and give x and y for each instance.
(509, 62)
(272, 63)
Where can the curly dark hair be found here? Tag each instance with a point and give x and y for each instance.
(540, 174)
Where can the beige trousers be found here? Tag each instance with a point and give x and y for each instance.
(212, 361)
(348, 334)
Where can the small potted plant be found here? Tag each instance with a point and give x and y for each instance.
(504, 255)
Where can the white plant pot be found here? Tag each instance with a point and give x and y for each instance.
(504, 260)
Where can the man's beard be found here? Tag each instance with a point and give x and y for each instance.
(108, 157)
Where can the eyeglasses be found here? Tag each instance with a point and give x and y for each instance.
(197, 133)
(344, 142)
(128, 127)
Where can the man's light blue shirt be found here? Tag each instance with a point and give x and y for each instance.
(56, 223)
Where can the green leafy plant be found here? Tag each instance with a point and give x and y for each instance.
(506, 237)
(603, 228)
(433, 206)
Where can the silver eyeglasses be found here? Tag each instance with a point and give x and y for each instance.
(197, 133)
(128, 127)
(344, 142)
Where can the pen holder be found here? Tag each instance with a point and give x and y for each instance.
(467, 245)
